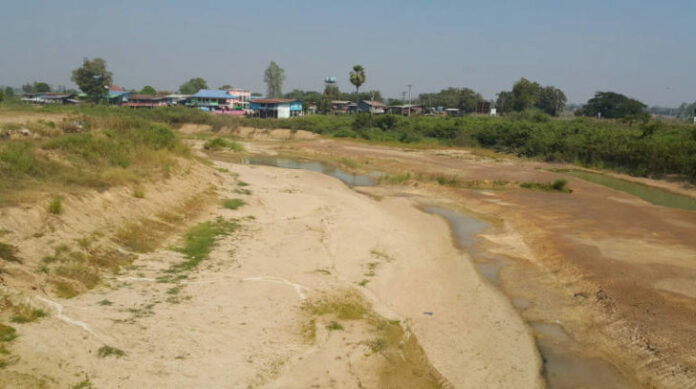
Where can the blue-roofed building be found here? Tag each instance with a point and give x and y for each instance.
(212, 100)
(276, 108)
(118, 97)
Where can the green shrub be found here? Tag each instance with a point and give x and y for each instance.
(56, 205)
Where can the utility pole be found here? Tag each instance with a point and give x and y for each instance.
(409, 99)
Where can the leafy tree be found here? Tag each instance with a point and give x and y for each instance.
(686, 111)
(395, 102)
(274, 76)
(551, 100)
(464, 99)
(357, 78)
(9, 92)
(92, 78)
(526, 94)
(225, 87)
(256, 94)
(612, 105)
(2, 95)
(505, 102)
(148, 90)
(28, 88)
(192, 86)
(41, 87)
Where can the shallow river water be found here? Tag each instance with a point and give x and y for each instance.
(565, 365)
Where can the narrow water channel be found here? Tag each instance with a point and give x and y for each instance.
(565, 366)
(315, 166)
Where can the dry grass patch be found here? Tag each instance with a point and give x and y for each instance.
(9, 253)
(404, 363)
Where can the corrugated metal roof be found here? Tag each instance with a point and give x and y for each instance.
(273, 101)
(213, 94)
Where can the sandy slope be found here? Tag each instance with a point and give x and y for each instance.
(237, 320)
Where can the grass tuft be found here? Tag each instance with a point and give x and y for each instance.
(9, 253)
(26, 314)
(218, 143)
(199, 242)
(107, 351)
(559, 185)
(232, 203)
(334, 326)
(7, 333)
(56, 206)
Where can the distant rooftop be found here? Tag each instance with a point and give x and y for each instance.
(213, 94)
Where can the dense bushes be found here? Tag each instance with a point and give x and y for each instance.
(648, 149)
(668, 148)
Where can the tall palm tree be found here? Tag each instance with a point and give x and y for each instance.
(357, 78)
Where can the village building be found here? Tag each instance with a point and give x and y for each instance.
(276, 108)
(368, 106)
(405, 109)
(50, 98)
(340, 106)
(240, 98)
(211, 100)
(146, 101)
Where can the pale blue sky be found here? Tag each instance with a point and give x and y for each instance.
(645, 49)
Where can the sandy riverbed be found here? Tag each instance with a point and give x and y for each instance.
(237, 321)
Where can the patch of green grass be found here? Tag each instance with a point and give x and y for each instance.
(656, 196)
(334, 326)
(56, 206)
(394, 179)
(9, 253)
(559, 185)
(139, 193)
(222, 143)
(84, 384)
(105, 302)
(175, 290)
(26, 314)
(7, 333)
(364, 282)
(242, 183)
(107, 351)
(232, 203)
(347, 305)
(242, 191)
(199, 242)
(323, 271)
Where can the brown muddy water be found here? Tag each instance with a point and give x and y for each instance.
(566, 363)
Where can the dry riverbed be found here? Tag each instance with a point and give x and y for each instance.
(312, 284)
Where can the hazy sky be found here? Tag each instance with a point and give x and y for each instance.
(644, 49)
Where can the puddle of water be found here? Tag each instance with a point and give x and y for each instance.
(566, 369)
(315, 166)
(650, 194)
(465, 229)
